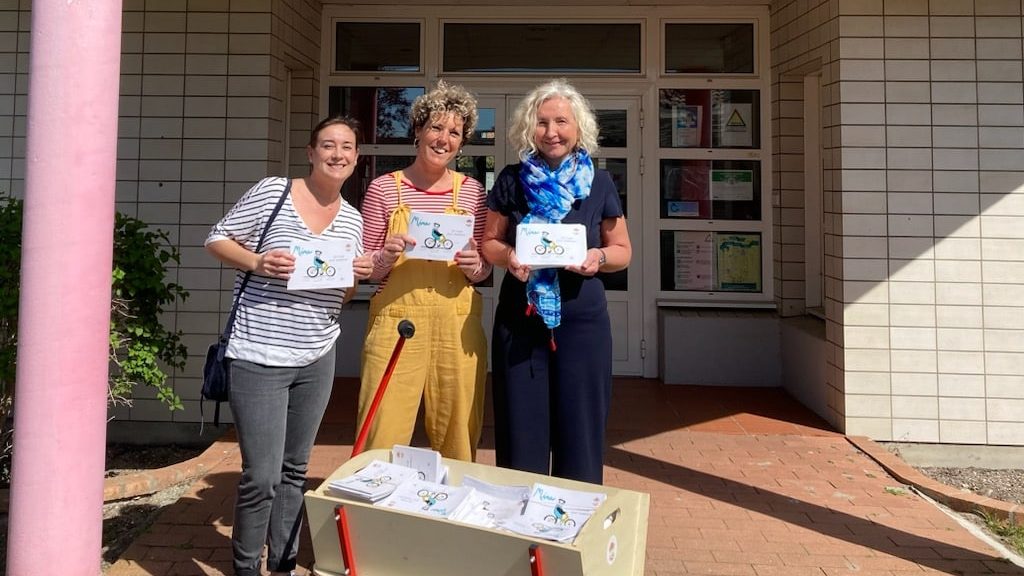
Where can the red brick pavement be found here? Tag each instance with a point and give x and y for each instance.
(742, 482)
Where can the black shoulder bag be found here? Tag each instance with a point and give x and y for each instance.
(216, 375)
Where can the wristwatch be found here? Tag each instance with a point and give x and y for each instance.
(602, 259)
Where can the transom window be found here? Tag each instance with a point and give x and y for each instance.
(542, 47)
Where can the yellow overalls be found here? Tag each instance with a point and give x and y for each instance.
(445, 363)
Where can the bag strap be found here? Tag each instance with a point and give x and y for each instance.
(230, 325)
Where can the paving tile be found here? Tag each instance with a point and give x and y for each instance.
(742, 482)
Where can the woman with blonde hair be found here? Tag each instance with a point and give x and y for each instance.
(552, 342)
(445, 363)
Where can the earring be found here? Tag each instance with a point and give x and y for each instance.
(415, 142)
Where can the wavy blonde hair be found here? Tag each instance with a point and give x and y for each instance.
(524, 121)
(445, 99)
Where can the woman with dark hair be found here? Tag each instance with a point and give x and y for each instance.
(282, 346)
(552, 342)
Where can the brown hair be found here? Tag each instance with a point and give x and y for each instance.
(349, 121)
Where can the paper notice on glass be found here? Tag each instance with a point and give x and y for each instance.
(551, 245)
(322, 264)
(694, 260)
(739, 262)
(686, 126)
(438, 236)
(734, 125)
(732, 185)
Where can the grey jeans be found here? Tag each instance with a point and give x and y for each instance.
(277, 412)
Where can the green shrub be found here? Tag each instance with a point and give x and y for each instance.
(140, 346)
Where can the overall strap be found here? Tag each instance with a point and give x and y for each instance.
(398, 223)
(457, 179)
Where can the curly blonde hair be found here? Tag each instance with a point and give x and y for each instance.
(524, 121)
(446, 99)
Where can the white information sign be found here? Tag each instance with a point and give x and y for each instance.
(732, 185)
(322, 264)
(694, 260)
(551, 245)
(438, 236)
(734, 127)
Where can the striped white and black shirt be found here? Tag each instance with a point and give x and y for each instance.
(275, 326)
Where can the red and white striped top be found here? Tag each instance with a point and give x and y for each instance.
(381, 200)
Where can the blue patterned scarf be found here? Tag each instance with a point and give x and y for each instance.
(550, 195)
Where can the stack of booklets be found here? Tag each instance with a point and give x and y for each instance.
(374, 482)
(555, 513)
(490, 505)
(425, 461)
(414, 482)
(427, 498)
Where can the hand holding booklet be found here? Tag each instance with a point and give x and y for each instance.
(551, 245)
(438, 236)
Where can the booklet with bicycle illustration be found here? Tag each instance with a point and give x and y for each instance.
(551, 245)
(425, 461)
(372, 483)
(322, 264)
(555, 513)
(438, 236)
(427, 498)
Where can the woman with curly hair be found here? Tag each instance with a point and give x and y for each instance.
(446, 363)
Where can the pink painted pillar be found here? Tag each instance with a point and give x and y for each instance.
(61, 391)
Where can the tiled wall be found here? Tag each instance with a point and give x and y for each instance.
(205, 88)
(805, 43)
(929, 331)
(15, 18)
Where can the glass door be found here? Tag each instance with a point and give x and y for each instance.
(483, 157)
(619, 154)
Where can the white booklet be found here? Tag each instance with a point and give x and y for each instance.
(375, 481)
(322, 264)
(438, 236)
(425, 461)
(490, 505)
(426, 498)
(555, 513)
(551, 245)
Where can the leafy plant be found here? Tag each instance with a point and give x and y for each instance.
(140, 346)
(140, 293)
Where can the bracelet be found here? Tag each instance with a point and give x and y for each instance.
(603, 259)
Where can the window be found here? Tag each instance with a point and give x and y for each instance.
(382, 111)
(709, 119)
(530, 47)
(709, 48)
(377, 47)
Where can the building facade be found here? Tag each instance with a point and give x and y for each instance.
(822, 195)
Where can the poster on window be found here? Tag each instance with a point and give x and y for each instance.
(739, 262)
(735, 129)
(686, 126)
(694, 260)
(732, 185)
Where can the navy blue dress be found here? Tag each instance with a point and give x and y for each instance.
(553, 405)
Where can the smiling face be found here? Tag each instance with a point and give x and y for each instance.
(557, 131)
(440, 140)
(335, 153)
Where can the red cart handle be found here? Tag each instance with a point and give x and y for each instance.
(406, 329)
